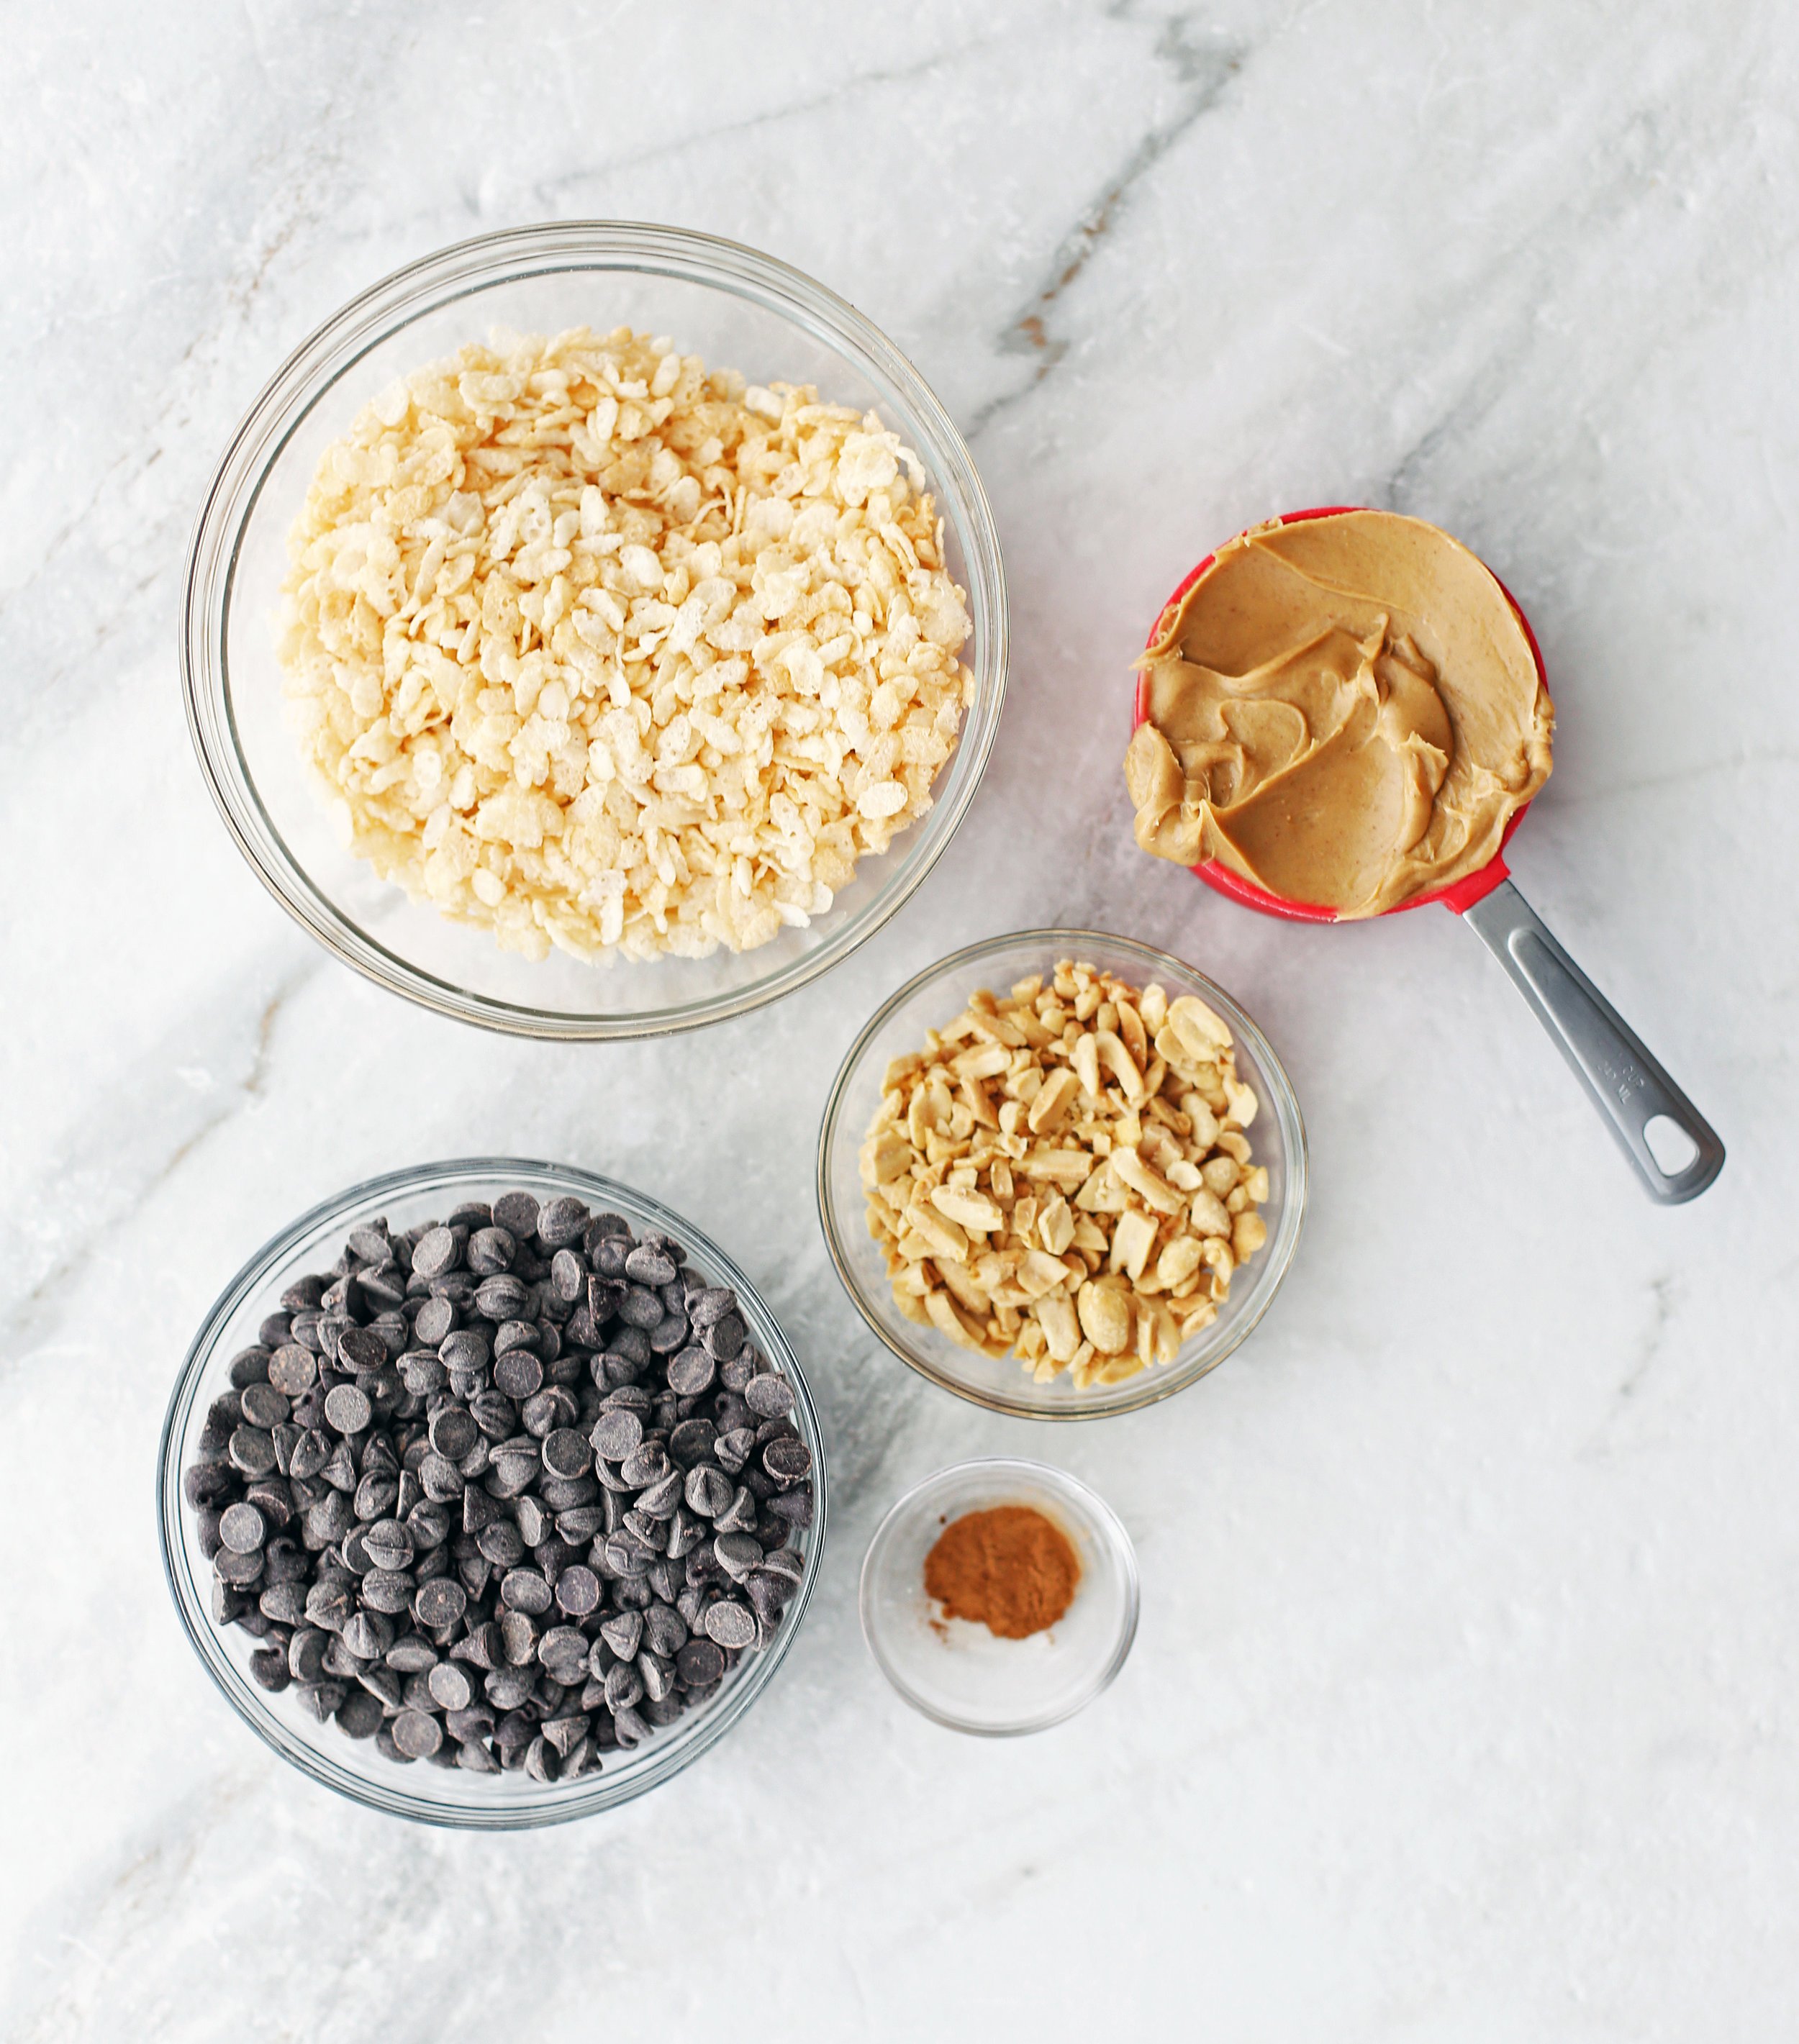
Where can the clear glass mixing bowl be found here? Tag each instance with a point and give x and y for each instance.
(436, 1795)
(740, 310)
(933, 999)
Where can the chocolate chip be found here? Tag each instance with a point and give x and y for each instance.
(450, 1685)
(787, 1461)
(577, 1591)
(466, 1349)
(616, 1434)
(517, 1213)
(437, 1250)
(691, 1371)
(251, 1451)
(416, 1734)
(708, 1490)
(453, 1431)
(518, 1373)
(700, 1662)
(730, 1624)
(490, 1251)
(566, 1454)
(562, 1221)
(725, 1335)
(293, 1370)
(242, 1528)
(347, 1409)
(768, 1395)
(440, 1603)
(524, 1589)
(361, 1349)
(649, 1263)
(388, 1544)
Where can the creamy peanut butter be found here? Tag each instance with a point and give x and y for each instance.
(1345, 710)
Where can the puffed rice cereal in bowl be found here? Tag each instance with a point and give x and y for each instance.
(603, 650)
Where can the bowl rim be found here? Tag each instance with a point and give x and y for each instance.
(1116, 1537)
(462, 269)
(1148, 1387)
(596, 1793)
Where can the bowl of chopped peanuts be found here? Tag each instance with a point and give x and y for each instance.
(1061, 1174)
(594, 630)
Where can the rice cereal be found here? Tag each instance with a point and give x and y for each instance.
(602, 650)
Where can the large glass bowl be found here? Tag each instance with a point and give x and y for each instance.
(740, 310)
(932, 1000)
(434, 1795)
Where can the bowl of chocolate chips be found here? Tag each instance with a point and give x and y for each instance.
(490, 1493)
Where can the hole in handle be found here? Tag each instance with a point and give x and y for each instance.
(1672, 1149)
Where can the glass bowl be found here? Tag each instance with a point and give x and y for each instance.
(961, 1674)
(430, 1794)
(740, 310)
(933, 999)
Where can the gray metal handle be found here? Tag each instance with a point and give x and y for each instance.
(1624, 1082)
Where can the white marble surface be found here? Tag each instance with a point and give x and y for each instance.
(1464, 1703)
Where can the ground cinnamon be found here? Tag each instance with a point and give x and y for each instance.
(1008, 1569)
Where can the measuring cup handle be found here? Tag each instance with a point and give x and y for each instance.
(1625, 1083)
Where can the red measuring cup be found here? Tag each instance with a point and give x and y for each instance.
(1629, 1087)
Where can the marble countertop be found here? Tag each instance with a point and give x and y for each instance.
(1466, 1702)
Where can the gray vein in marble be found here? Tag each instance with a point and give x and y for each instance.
(98, 1159)
(1776, 759)
(1664, 1299)
(555, 189)
(1531, 267)
(1204, 73)
(301, 206)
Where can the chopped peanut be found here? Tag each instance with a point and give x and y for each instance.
(1061, 1174)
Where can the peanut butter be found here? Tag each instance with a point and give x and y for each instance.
(1345, 710)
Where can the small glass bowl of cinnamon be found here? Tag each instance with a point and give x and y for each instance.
(1000, 1597)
